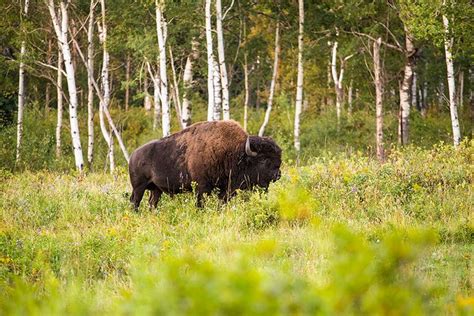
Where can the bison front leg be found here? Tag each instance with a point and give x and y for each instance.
(137, 195)
(155, 196)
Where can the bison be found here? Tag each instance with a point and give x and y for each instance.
(213, 155)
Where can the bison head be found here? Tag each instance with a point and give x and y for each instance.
(263, 160)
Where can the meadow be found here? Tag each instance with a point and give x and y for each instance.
(340, 233)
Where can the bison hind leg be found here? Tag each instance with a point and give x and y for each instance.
(155, 195)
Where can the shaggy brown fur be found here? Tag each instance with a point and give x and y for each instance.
(211, 154)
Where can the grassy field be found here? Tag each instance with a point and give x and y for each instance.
(340, 235)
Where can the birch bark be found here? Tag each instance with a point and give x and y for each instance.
(104, 104)
(448, 48)
(378, 100)
(222, 66)
(59, 91)
(61, 33)
(216, 116)
(274, 78)
(210, 63)
(299, 81)
(403, 125)
(161, 32)
(246, 98)
(21, 90)
(90, 88)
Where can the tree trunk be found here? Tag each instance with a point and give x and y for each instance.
(246, 98)
(90, 88)
(222, 66)
(274, 78)
(210, 63)
(146, 99)
(299, 81)
(448, 47)
(61, 33)
(414, 99)
(461, 88)
(405, 88)
(161, 32)
(338, 80)
(21, 91)
(378, 100)
(216, 116)
(59, 91)
(127, 82)
(177, 100)
(104, 104)
(188, 84)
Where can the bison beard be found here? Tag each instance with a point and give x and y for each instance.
(214, 155)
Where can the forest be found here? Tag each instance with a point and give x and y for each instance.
(371, 102)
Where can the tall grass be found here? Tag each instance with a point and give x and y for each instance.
(340, 235)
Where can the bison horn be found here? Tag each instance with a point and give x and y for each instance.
(248, 150)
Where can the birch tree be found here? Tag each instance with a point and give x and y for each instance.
(90, 88)
(210, 63)
(104, 104)
(187, 84)
(216, 115)
(448, 48)
(299, 81)
(274, 78)
(21, 89)
(59, 95)
(61, 29)
(222, 66)
(378, 99)
(337, 79)
(161, 33)
(405, 87)
(247, 95)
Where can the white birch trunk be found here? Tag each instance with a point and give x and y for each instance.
(222, 66)
(216, 116)
(61, 33)
(176, 95)
(448, 47)
(21, 91)
(90, 88)
(299, 81)
(403, 126)
(378, 100)
(210, 63)
(104, 104)
(146, 99)
(187, 82)
(337, 84)
(161, 32)
(246, 98)
(274, 78)
(59, 92)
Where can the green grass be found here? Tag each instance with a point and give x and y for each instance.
(341, 235)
